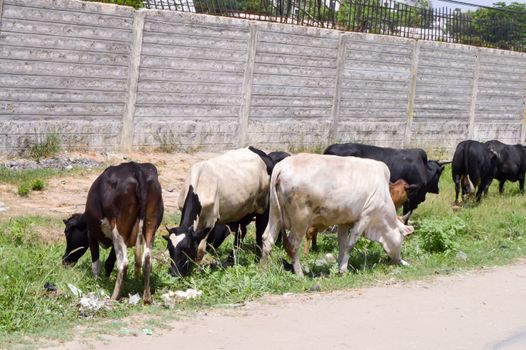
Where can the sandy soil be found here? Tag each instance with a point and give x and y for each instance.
(483, 309)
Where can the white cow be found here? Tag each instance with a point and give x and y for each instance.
(322, 190)
(226, 189)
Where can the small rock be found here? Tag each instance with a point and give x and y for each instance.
(134, 299)
(462, 256)
(147, 331)
(315, 288)
(69, 167)
(330, 258)
(320, 262)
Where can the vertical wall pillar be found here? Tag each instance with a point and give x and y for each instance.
(473, 105)
(1, 13)
(132, 81)
(335, 110)
(523, 125)
(412, 93)
(247, 86)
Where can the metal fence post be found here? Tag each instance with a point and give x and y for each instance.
(247, 86)
(412, 93)
(335, 110)
(473, 105)
(133, 81)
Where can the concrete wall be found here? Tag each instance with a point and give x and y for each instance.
(63, 69)
(108, 77)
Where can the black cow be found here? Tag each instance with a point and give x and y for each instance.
(124, 208)
(410, 165)
(511, 163)
(473, 168)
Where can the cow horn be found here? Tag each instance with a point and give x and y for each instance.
(406, 217)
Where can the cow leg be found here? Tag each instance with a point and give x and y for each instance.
(501, 186)
(95, 261)
(261, 225)
(110, 262)
(456, 180)
(138, 250)
(346, 241)
(292, 245)
(149, 235)
(121, 253)
(521, 183)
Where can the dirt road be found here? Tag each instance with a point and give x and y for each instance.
(483, 309)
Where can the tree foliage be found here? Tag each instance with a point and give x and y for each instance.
(503, 26)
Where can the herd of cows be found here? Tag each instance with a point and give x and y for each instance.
(352, 186)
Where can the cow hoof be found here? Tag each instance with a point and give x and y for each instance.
(404, 263)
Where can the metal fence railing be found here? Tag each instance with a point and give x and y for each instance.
(389, 17)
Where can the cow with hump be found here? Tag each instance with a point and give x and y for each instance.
(312, 190)
(124, 208)
(230, 188)
(410, 165)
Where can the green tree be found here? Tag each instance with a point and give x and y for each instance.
(503, 26)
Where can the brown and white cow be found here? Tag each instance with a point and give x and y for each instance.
(321, 190)
(230, 188)
(124, 208)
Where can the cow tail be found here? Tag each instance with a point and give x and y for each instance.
(142, 190)
(466, 168)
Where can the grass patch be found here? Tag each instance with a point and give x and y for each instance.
(43, 147)
(35, 179)
(491, 233)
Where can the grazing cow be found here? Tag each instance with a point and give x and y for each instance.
(312, 190)
(124, 208)
(511, 163)
(230, 188)
(474, 166)
(410, 165)
(399, 193)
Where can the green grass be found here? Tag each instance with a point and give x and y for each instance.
(35, 178)
(491, 233)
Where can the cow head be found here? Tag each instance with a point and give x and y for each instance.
(76, 233)
(183, 241)
(433, 171)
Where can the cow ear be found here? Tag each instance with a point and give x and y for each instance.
(200, 234)
(166, 237)
(65, 221)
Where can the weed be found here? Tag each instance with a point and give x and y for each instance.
(438, 234)
(43, 148)
(37, 185)
(23, 190)
(167, 142)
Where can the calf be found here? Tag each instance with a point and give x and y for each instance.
(511, 163)
(411, 165)
(311, 190)
(230, 188)
(473, 167)
(124, 208)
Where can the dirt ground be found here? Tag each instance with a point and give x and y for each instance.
(483, 309)
(67, 195)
